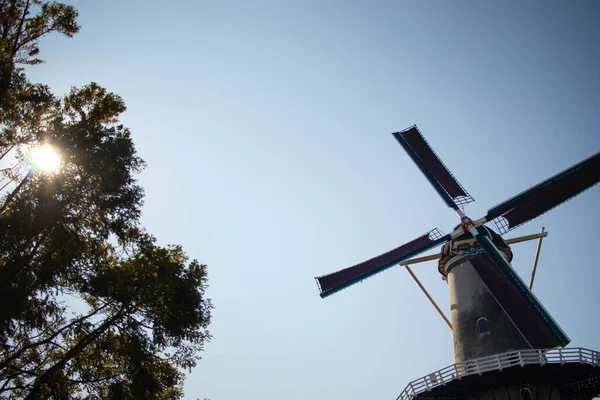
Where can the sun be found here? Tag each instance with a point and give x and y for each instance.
(46, 159)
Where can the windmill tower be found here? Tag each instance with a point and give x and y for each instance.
(506, 345)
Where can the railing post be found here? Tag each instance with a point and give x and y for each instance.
(456, 371)
(541, 358)
(521, 359)
(560, 356)
(499, 364)
(580, 357)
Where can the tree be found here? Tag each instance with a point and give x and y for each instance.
(147, 316)
(73, 238)
(51, 223)
(22, 24)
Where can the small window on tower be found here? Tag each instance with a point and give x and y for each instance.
(482, 325)
(525, 394)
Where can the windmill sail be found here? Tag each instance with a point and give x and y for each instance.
(546, 195)
(435, 171)
(336, 281)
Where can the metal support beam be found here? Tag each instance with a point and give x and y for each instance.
(537, 256)
(520, 239)
(420, 260)
(428, 296)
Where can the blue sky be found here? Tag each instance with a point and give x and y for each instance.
(266, 128)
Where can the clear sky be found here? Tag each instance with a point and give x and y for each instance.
(266, 126)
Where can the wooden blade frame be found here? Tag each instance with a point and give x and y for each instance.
(546, 195)
(447, 186)
(336, 281)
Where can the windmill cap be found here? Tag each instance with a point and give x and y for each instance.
(466, 242)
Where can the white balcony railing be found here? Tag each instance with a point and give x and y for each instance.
(499, 362)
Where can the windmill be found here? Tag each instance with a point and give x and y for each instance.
(497, 322)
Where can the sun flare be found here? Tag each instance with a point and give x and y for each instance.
(46, 159)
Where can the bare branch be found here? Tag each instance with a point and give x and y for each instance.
(20, 30)
(5, 363)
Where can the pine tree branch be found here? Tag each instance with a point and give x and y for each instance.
(48, 340)
(13, 194)
(20, 30)
(43, 379)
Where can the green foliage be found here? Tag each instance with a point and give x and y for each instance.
(92, 306)
(60, 219)
(147, 316)
(22, 24)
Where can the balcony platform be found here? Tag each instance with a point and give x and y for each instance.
(575, 371)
